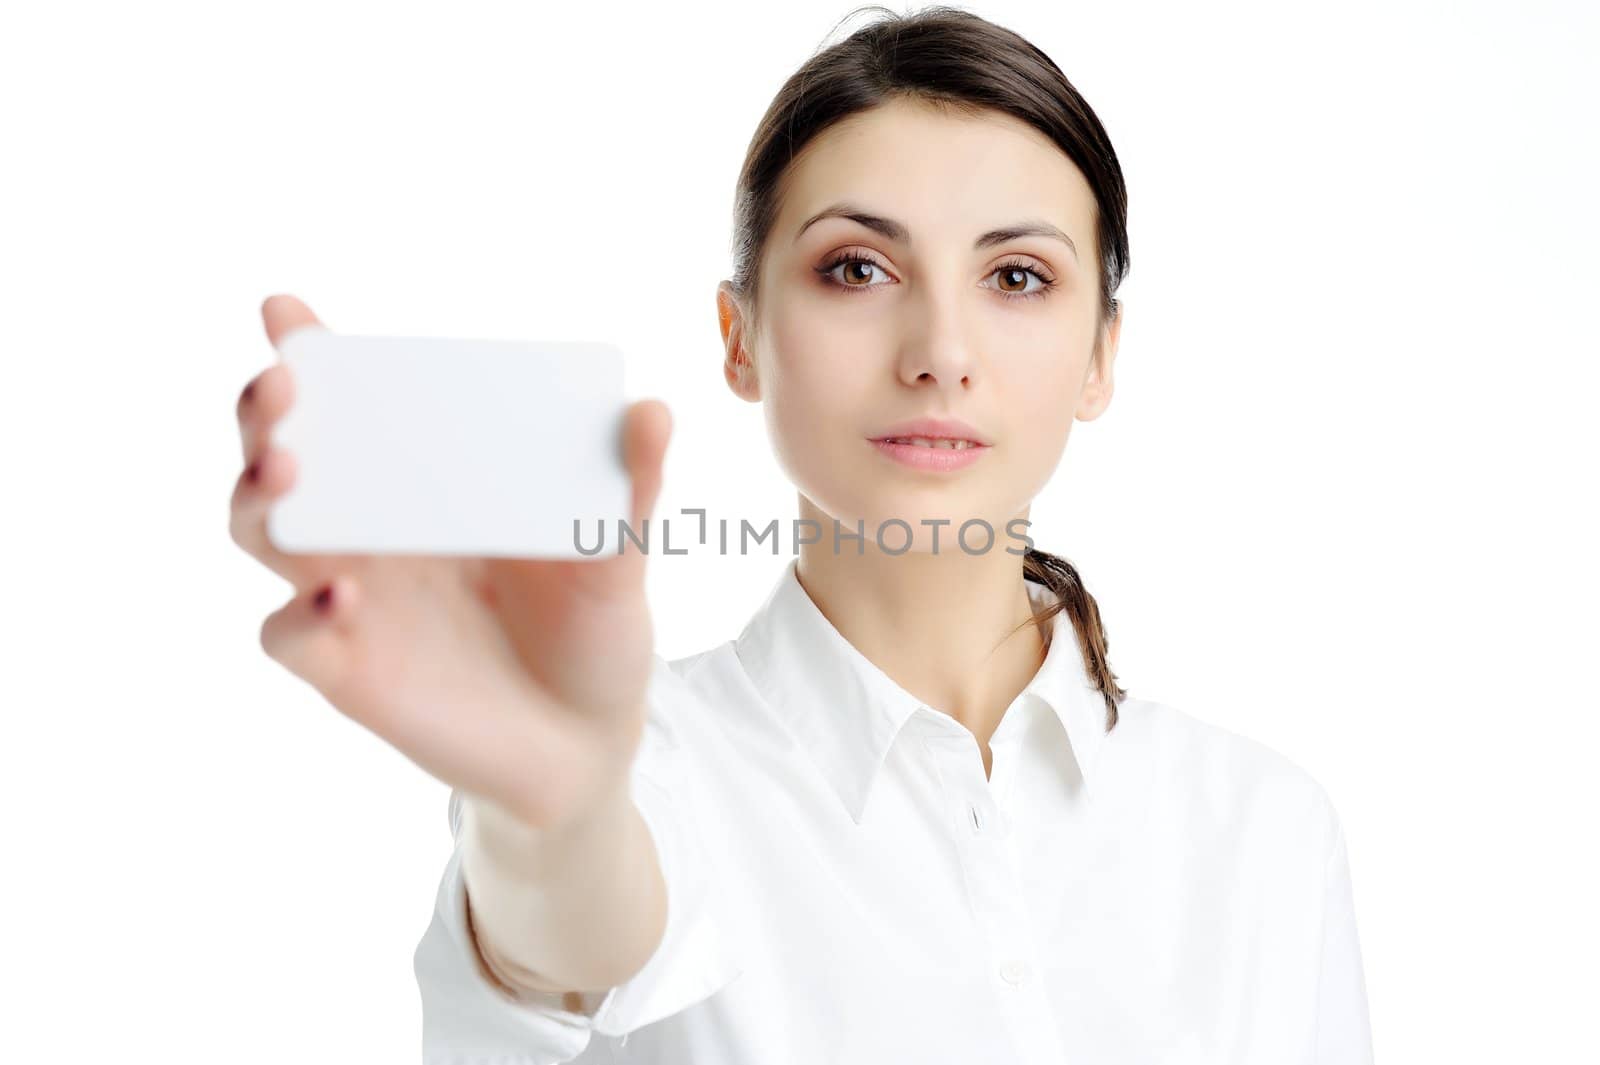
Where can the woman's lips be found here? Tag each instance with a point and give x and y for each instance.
(924, 457)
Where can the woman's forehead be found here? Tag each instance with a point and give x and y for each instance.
(938, 175)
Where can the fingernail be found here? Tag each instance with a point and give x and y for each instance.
(252, 472)
(324, 599)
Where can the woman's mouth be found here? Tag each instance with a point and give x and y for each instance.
(929, 441)
(930, 453)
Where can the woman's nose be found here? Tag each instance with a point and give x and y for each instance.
(940, 353)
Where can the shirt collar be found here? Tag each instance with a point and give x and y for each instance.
(848, 712)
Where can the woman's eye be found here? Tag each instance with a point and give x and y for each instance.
(1018, 275)
(857, 272)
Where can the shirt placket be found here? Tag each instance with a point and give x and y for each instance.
(983, 838)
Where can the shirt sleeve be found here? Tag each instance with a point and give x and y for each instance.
(1344, 1031)
(467, 1015)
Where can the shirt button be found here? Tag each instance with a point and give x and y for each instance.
(1014, 972)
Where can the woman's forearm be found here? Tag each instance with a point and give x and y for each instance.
(581, 908)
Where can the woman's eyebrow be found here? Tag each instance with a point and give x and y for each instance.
(900, 234)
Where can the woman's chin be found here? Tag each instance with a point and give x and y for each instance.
(896, 521)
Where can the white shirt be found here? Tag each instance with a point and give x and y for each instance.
(845, 886)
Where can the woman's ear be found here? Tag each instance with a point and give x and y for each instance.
(1098, 385)
(738, 367)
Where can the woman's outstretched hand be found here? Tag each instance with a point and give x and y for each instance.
(519, 681)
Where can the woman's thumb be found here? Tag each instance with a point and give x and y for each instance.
(644, 449)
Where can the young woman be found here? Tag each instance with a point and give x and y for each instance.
(907, 815)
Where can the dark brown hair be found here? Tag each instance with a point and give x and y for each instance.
(951, 59)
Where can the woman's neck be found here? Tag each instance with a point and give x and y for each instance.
(939, 625)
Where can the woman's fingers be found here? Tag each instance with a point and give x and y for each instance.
(257, 489)
(261, 483)
(311, 635)
(282, 313)
(270, 393)
(264, 401)
(269, 472)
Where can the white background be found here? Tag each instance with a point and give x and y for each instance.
(1342, 502)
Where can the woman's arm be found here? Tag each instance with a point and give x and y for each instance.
(1344, 1027)
(575, 908)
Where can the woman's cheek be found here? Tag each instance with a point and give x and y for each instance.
(1047, 441)
(803, 427)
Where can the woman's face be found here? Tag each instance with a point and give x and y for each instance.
(862, 330)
